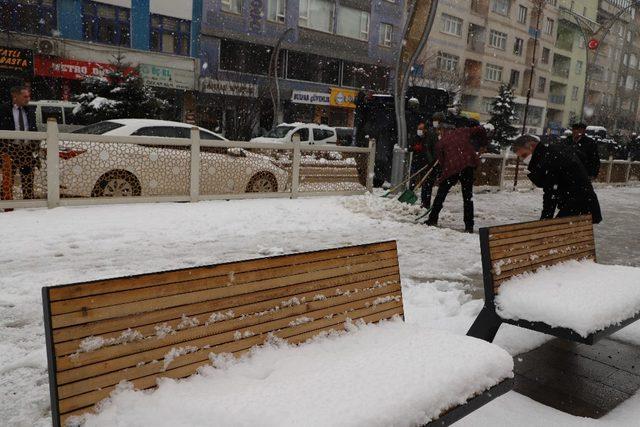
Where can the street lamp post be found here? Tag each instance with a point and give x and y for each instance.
(274, 88)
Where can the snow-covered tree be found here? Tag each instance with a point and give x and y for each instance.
(120, 93)
(503, 115)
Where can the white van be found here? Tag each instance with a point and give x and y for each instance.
(309, 134)
(61, 110)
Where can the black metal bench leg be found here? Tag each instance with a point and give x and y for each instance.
(486, 325)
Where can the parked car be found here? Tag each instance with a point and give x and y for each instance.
(309, 134)
(62, 111)
(105, 169)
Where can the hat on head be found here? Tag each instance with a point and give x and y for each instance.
(523, 140)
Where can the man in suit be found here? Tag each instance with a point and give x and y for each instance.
(22, 154)
(586, 149)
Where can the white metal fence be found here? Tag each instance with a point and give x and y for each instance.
(79, 169)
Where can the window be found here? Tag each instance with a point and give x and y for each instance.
(170, 35)
(209, 136)
(501, 7)
(51, 112)
(106, 24)
(546, 55)
(29, 16)
(522, 14)
(451, 25)
(303, 133)
(548, 26)
(276, 10)
(99, 128)
(574, 93)
(498, 40)
(69, 117)
(493, 73)
(365, 75)
(317, 15)
(581, 42)
(542, 84)
(487, 105)
(313, 68)
(386, 35)
(515, 78)
(164, 131)
(447, 62)
(244, 57)
(353, 23)
(320, 134)
(518, 47)
(579, 65)
(233, 6)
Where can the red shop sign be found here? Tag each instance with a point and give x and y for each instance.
(70, 69)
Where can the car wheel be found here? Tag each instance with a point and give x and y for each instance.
(117, 184)
(263, 182)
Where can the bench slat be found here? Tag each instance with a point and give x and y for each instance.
(140, 281)
(116, 298)
(544, 228)
(84, 400)
(536, 257)
(520, 239)
(536, 224)
(539, 245)
(257, 302)
(75, 318)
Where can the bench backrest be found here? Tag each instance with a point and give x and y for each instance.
(166, 324)
(510, 250)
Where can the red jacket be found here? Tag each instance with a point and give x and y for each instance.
(458, 150)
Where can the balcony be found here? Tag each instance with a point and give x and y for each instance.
(557, 99)
(476, 38)
(561, 72)
(480, 7)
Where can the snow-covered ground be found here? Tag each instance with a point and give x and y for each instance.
(440, 269)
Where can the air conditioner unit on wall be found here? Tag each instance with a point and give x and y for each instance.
(46, 47)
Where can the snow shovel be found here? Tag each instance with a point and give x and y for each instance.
(391, 190)
(409, 196)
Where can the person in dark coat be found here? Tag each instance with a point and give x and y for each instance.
(16, 115)
(424, 155)
(586, 148)
(456, 151)
(557, 169)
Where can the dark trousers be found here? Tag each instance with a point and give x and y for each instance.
(22, 160)
(466, 178)
(427, 186)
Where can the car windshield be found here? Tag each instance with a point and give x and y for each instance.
(279, 132)
(99, 128)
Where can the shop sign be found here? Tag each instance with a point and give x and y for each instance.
(315, 98)
(17, 62)
(166, 77)
(226, 87)
(344, 98)
(71, 69)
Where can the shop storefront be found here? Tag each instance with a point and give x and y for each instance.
(172, 84)
(16, 68)
(335, 108)
(343, 107)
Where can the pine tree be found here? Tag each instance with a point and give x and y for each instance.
(120, 94)
(502, 116)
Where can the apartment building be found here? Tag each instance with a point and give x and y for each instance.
(491, 42)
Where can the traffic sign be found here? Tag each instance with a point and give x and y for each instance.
(593, 44)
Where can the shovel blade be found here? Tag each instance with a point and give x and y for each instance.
(408, 197)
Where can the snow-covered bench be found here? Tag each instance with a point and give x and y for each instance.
(142, 328)
(543, 276)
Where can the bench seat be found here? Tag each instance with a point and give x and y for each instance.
(583, 296)
(375, 375)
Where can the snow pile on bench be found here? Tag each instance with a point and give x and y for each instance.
(580, 295)
(376, 375)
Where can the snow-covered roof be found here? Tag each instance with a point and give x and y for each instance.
(597, 128)
(308, 125)
(150, 122)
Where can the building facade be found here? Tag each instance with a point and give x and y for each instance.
(330, 49)
(66, 40)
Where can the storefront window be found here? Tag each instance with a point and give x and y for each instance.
(170, 35)
(365, 75)
(29, 16)
(313, 68)
(106, 24)
(245, 57)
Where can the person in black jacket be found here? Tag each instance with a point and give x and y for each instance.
(423, 149)
(586, 148)
(557, 169)
(16, 115)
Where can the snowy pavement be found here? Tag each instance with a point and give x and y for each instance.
(440, 269)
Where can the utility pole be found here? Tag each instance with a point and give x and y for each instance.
(274, 88)
(539, 8)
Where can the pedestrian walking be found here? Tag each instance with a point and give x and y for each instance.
(457, 154)
(557, 169)
(424, 154)
(586, 148)
(16, 115)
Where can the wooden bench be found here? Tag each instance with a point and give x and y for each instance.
(166, 324)
(511, 250)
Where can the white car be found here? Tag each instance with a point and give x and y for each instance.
(309, 134)
(118, 170)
